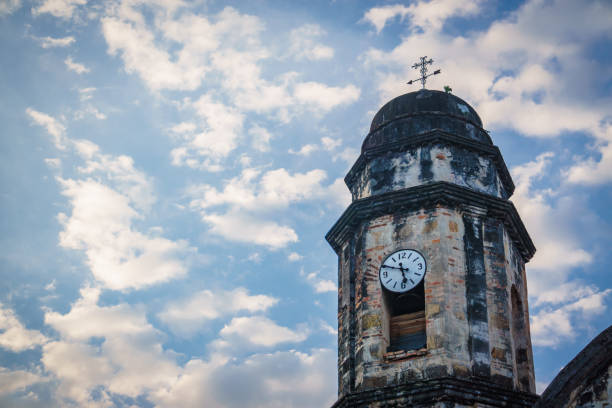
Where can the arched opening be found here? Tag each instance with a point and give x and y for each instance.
(406, 314)
(519, 336)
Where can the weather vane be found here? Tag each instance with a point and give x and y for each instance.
(423, 66)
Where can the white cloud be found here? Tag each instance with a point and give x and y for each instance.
(50, 42)
(305, 150)
(276, 380)
(58, 8)
(550, 326)
(136, 46)
(128, 359)
(86, 93)
(558, 247)
(239, 227)
(330, 144)
(294, 257)
(328, 328)
(261, 138)
(186, 317)
(321, 285)
(227, 44)
(75, 66)
(17, 380)
(52, 125)
(322, 97)
(220, 128)
(513, 84)
(260, 331)
(243, 210)
(104, 207)
(9, 6)
(423, 14)
(567, 304)
(89, 110)
(378, 16)
(120, 257)
(13, 334)
(304, 44)
(338, 193)
(105, 352)
(591, 171)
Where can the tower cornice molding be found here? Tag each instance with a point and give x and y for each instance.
(428, 196)
(373, 148)
(429, 392)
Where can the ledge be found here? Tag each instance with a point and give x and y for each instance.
(395, 356)
(428, 196)
(402, 143)
(469, 392)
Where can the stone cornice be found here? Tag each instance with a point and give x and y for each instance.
(469, 392)
(428, 196)
(405, 142)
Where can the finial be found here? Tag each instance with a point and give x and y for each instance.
(423, 67)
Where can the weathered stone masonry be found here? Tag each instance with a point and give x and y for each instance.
(430, 179)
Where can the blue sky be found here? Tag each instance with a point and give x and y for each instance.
(169, 170)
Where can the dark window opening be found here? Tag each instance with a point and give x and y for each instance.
(407, 319)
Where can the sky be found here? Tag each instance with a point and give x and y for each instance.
(169, 170)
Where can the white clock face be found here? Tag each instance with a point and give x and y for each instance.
(402, 270)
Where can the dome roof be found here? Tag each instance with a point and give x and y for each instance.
(425, 101)
(423, 111)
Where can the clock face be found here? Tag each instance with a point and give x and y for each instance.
(402, 270)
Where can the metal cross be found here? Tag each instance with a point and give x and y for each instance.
(423, 66)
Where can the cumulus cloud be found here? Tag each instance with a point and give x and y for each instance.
(50, 42)
(14, 336)
(17, 380)
(105, 352)
(294, 257)
(378, 16)
(323, 97)
(259, 331)
(321, 285)
(246, 203)
(513, 84)
(557, 309)
(58, 8)
(105, 203)
(217, 135)
(127, 359)
(559, 250)
(327, 144)
(591, 171)
(185, 317)
(238, 227)
(422, 14)
(9, 6)
(552, 325)
(275, 380)
(305, 150)
(120, 257)
(52, 125)
(304, 43)
(261, 138)
(75, 66)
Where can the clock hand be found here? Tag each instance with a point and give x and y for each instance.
(403, 274)
(392, 267)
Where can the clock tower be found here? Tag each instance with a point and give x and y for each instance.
(432, 293)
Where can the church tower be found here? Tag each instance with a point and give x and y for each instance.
(432, 293)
